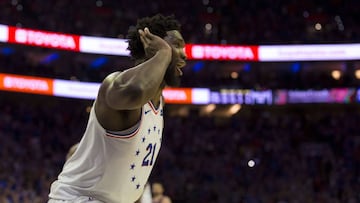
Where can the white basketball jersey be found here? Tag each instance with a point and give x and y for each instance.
(146, 196)
(112, 167)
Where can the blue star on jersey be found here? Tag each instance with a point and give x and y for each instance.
(132, 166)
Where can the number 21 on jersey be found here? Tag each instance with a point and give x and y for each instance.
(149, 157)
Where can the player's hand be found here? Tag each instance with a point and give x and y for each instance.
(152, 43)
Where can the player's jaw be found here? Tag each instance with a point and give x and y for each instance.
(173, 74)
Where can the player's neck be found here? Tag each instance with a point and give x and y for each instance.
(156, 99)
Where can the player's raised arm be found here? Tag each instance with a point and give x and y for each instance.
(134, 87)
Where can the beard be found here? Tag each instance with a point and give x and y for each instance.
(171, 77)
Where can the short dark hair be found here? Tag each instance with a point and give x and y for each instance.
(157, 24)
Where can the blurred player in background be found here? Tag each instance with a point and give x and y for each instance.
(116, 154)
(158, 194)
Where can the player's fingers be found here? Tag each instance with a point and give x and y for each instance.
(143, 39)
(148, 34)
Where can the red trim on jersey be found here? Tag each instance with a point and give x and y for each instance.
(123, 136)
(156, 111)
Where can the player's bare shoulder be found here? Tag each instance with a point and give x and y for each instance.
(105, 85)
(111, 118)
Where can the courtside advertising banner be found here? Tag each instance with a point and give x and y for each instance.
(186, 95)
(115, 46)
(4, 33)
(221, 52)
(43, 39)
(75, 89)
(335, 95)
(324, 52)
(108, 46)
(89, 90)
(26, 84)
(342, 95)
(178, 95)
(241, 96)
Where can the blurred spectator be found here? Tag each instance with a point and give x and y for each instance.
(158, 194)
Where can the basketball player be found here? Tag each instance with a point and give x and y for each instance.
(118, 150)
(158, 194)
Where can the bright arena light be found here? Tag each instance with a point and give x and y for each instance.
(209, 108)
(234, 109)
(318, 26)
(357, 74)
(208, 26)
(234, 75)
(336, 74)
(251, 163)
